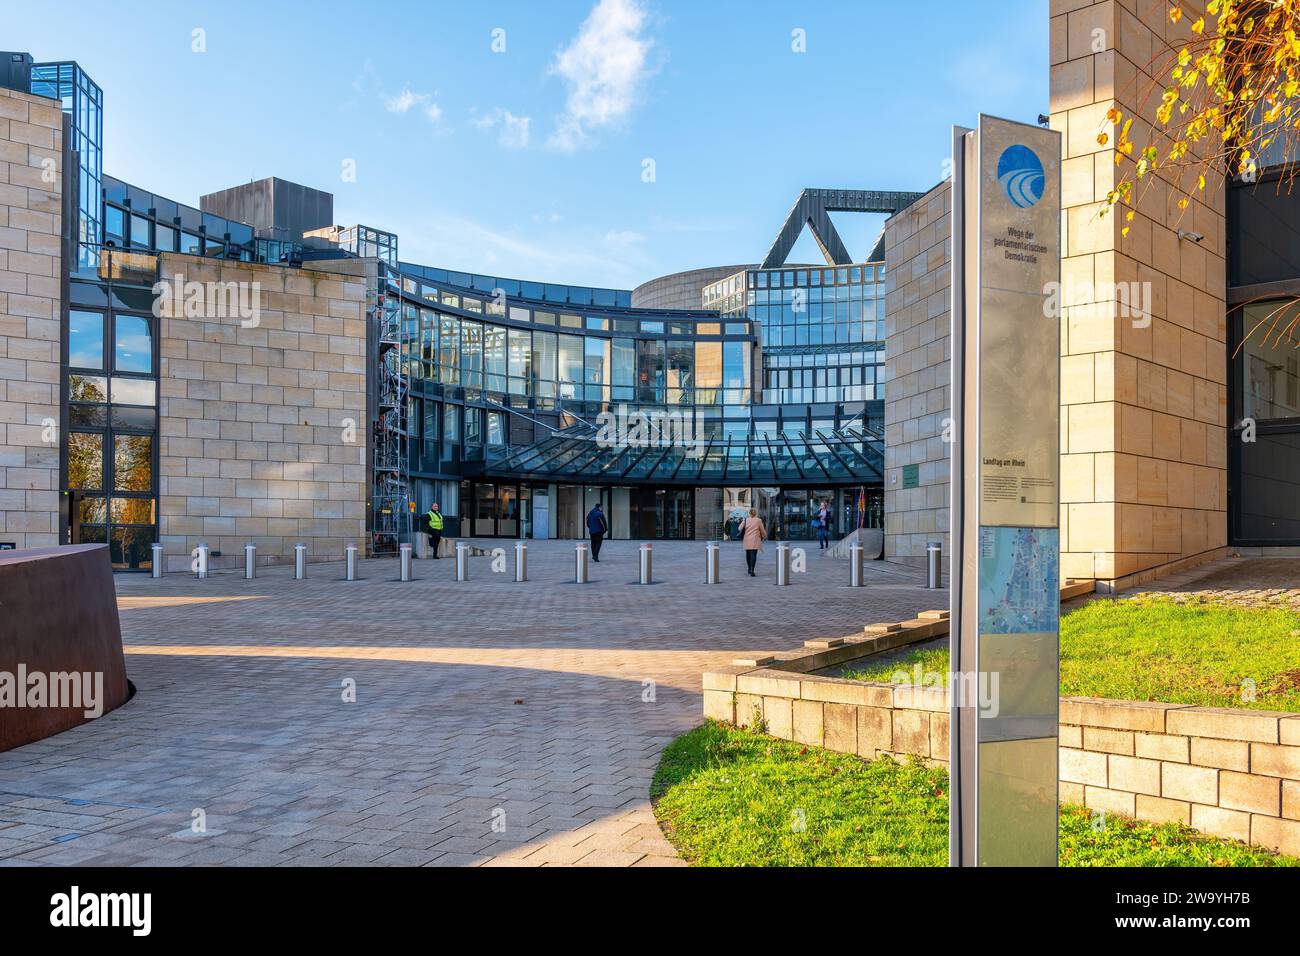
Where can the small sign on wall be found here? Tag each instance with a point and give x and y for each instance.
(911, 476)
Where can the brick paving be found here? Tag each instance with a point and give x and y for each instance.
(494, 723)
(1249, 582)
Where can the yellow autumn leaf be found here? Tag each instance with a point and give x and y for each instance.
(1199, 26)
(1175, 14)
(1124, 232)
(1182, 203)
(1102, 139)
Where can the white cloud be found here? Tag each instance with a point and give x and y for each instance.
(604, 67)
(405, 100)
(513, 132)
(623, 237)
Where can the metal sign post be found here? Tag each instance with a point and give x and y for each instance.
(1004, 573)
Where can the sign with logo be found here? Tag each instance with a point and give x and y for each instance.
(1005, 495)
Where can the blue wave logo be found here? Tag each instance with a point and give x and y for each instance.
(1021, 174)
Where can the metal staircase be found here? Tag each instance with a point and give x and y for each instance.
(391, 499)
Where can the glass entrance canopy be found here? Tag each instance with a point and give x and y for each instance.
(576, 454)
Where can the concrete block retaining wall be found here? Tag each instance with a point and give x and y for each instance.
(1226, 772)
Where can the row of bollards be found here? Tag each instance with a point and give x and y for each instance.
(581, 566)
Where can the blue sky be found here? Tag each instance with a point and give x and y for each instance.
(530, 162)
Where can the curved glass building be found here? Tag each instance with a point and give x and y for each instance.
(524, 401)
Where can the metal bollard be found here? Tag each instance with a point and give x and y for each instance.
(405, 551)
(855, 565)
(157, 565)
(934, 564)
(521, 561)
(201, 569)
(351, 552)
(783, 564)
(581, 563)
(647, 559)
(462, 561)
(250, 561)
(712, 563)
(299, 561)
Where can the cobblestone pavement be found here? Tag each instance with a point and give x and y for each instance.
(494, 723)
(1250, 582)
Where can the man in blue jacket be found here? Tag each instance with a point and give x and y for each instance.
(597, 527)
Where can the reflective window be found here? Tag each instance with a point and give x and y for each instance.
(133, 345)
(191, 245)
(132, 462)
(85, 339)
(140, 235)
(134, 391)
(115, 223)
(87, 388)
(85, 461)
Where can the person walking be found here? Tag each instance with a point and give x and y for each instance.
(435, 520)
(752, 535)
(823, 528)
(597, 527)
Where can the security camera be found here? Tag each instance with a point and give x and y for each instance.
(1189, 234)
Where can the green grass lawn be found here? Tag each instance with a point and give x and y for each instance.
(729, 797)
(1154, 648)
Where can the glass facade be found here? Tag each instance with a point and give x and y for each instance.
(110, 384)
(83, 102)
(822, 329)
(137, 219)
(510, 390)
(1264, 484)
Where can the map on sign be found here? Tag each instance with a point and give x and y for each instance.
(1019, 586)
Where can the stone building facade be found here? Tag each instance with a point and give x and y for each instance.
(31, 224)
(1144, 390)
(262, 418)
(918, 398)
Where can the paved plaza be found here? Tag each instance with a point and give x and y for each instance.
(494, 723)
(1248, 582)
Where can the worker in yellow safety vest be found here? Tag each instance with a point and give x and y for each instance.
(434, 517)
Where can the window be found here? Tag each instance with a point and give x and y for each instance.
(494, 357)
(132, 462)
(544, 363)
(495, 431)
(451, 423)
(133, 391)
(430, 420)
(449, 349)
(191, 244)
(85, 461)
(520, 361)
(570, 362)
(140, 236)
(597, 368)
(85, 339)
(133, 345)
(1270, 363)
(473, 426)
(164, 238)
(471, 354)
(115, 224)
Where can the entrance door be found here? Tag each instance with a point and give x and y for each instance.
(568, 517)
(485, 506)
(507, 511)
